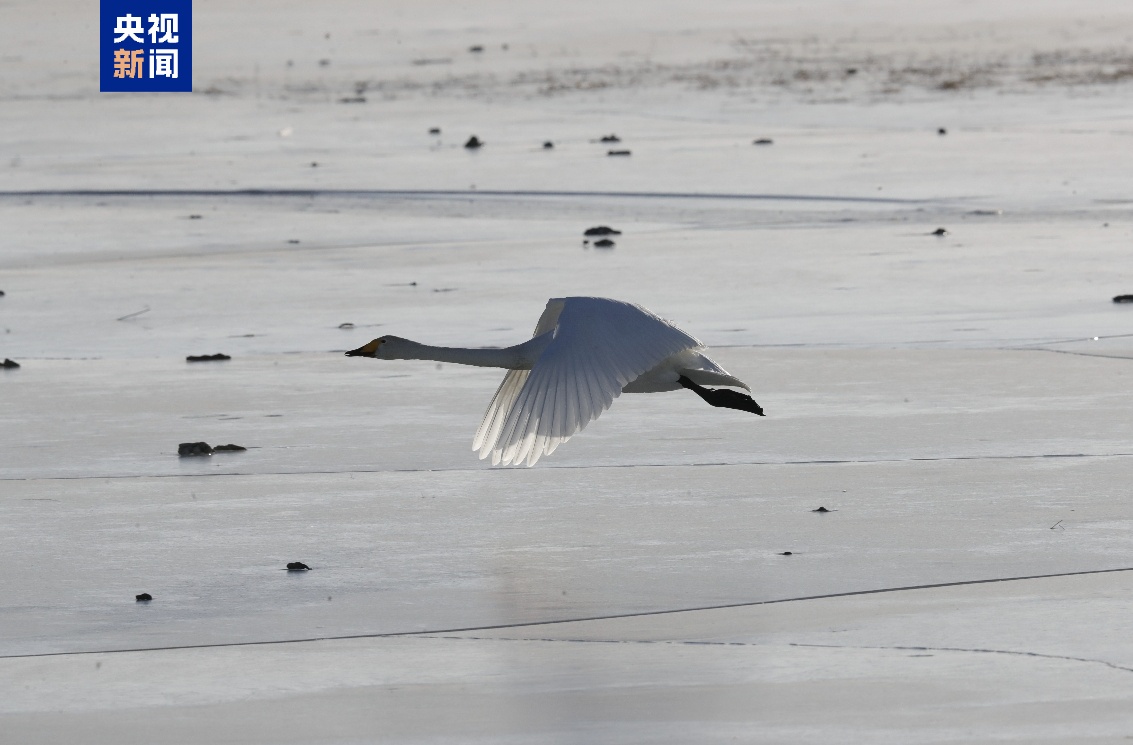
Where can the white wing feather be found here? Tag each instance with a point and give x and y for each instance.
(599, 346)
(489, 431)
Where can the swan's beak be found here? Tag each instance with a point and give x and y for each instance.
(365, 351)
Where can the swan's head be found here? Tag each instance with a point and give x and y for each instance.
(383, 348)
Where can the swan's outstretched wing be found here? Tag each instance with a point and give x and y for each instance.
(494, 417)
(598, 347)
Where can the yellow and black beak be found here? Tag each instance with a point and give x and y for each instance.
(368, 350)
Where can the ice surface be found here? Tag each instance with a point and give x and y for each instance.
(961, 403)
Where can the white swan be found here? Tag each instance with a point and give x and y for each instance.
(586, 351)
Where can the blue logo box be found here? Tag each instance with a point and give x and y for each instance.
(146, 45)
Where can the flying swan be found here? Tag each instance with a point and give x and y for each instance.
(586, 351)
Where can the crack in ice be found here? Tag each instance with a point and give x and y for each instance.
(559, 621)
(1015, 652)
(568, 467)
(694, 642)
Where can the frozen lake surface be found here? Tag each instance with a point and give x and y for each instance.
(960, 403)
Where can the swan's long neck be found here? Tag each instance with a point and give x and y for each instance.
(519, 357)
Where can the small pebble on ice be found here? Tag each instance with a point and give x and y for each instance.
(186, 449)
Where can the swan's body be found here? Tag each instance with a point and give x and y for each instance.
(585, 352)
